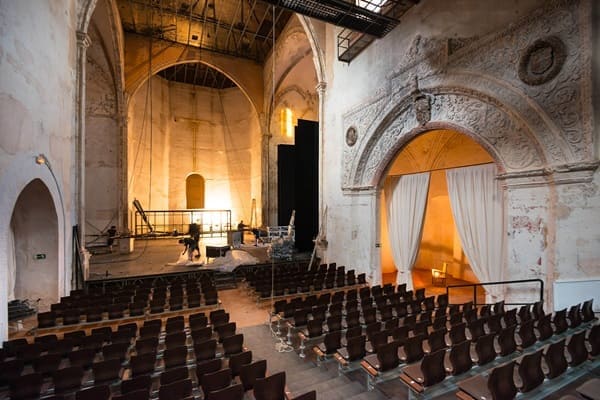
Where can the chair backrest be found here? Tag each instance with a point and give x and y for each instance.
(174, 375)
(233, 392)
(530, 371)
(175, 390)
(555, 359)
(100, 392)
(560, 321)
(233, 344)
(494, 323)
(538, 310)
(26, 386)
(510, 317)
(175, 339)
(484, 347)
(476, 329)
(460, 357)
(506, 340)
(176, 356)
(205, 350)
(577, 349)
(432, 367)
(587, 311)
(142, 364)
(205, 367)
(250, 372)
(526, 334)
(215, 380)
(356, 347)
(67, 379)
(332, 341)
(315, 327)
(457, 333)
(574, 316)
(544, 327)
(136, 384)
(500, 382)
(594, 339)
(387, 354)
(238, 360)
(108, 370)
(413, 349)
(271, 387)
(437, 340)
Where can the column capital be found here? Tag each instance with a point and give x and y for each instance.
(83, 39)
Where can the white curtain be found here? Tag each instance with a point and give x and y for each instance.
(406, 197)
(477, 207)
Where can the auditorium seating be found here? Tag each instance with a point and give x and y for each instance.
(157, 358)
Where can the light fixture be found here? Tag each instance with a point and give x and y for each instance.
(41, 159)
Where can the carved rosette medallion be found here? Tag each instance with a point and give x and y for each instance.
(542, 61)
(351, 136)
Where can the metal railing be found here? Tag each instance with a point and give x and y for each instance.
(476, 285)
(212, 223)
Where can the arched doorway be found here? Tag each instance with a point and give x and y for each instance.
(194, 191)
(440, 247)
(33, 264)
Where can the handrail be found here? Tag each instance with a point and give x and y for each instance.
(475, 285)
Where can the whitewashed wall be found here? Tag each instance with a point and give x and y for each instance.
(37, 115)
(464, 58)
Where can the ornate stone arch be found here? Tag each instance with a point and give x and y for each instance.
(504, 133)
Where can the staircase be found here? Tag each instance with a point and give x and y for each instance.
(303, 375)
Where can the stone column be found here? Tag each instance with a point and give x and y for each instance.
(266, 170)
(83, 42)
(322, 242)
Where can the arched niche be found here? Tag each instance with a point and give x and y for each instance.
(34, 230)
(433, 151)
(194, 191)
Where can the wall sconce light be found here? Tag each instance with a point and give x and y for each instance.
(41, 159)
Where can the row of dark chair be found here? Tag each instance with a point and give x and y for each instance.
(533, 368)
(143, 355)
(97, 312)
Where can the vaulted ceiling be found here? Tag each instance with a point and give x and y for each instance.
(238, 28)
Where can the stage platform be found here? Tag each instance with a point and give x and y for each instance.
(162, 256)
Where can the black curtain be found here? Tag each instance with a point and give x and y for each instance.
(286, 181)
(306, 196)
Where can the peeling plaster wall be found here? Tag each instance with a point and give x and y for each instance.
(102, 137)
(37, 115)
(223, 128)
(465, 59)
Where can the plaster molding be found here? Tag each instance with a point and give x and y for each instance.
(476, 90)
(83, 39)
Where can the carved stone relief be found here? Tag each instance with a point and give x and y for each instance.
(525, 127)
(542, 61)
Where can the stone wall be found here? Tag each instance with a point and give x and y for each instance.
(516, 79)
(37, 116)
(214, 133)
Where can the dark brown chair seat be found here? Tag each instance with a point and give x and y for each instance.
(233, 392)
(577, 351)
(233, 344)
(331, 342)
(485, 349)
(67, 379)
(100, 392)
(174, 375)
(355, 349)
(457, 333)
(26, 387)
(560, 321)
(412, 351)
(506, 341)
(176, 390)
(208, 366)
(526, 334)
(107, 370)
(429, 371)
(175, 356)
